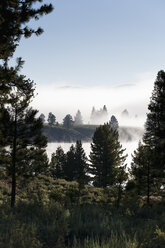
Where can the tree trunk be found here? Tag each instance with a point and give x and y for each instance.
(148, 184)
(13, 190)
(119, 197)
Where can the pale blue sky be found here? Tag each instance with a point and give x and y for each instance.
(97, 42)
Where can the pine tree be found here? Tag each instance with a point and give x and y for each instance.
(57, 164)
(120, 179)
(81, 165)
(99, 116)
(70, 165)
(23, 135)
(106, 156)
(14, 16)
(105, 112)
(143, 171)
(19, 127)
(114, 123)
(155, 125)
(68, 121)
(78, 118)
(51, 119)
(42, 117)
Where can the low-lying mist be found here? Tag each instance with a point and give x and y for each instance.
(67, 100)
(128, 136)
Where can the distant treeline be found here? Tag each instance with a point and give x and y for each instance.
(85, 133)
(62, 134)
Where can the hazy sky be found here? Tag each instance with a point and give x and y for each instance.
(94, 46)
(97, 42)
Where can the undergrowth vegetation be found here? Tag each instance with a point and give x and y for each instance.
(53, 213)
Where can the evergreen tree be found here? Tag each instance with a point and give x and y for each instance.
(20, 130)
(155, 125)
(70, 165)
(76, 167)
(51, 119)
(42, 117)
(68, 121)
(120, 179)
(99, 116)
(81, 165)
(105, 112)
(78, 118)
(106, 156)
(14, 16)
(23, 135)
(114, 123)
(143, 171)
(57, 163)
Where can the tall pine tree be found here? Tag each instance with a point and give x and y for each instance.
(106, 156)
(70, 165)
(81, 165)
(78, 118)
(57, 163)
(143, 171)
(23, 135)
(154, 135)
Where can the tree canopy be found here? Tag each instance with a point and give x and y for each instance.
(20, 130)
(78, 118)
(51, 119)
(106, 156)
(68, 121)
(155, 125)
(14, 17)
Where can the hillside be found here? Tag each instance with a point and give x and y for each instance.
(85, 133)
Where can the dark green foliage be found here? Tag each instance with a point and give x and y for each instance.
(33, 225)
(47, 215)
(155, 125)
(85, 133)
(20, 130)
(10, 79)
(68, 121)
(106, 156)
(62, 134)
(23, 135)
(57, 164)
(14, 15)
(42, 117)
(70, 165)
(144, 173)
(51, 119)
(81, 165)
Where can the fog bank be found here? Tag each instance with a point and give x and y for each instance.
(62, 100)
